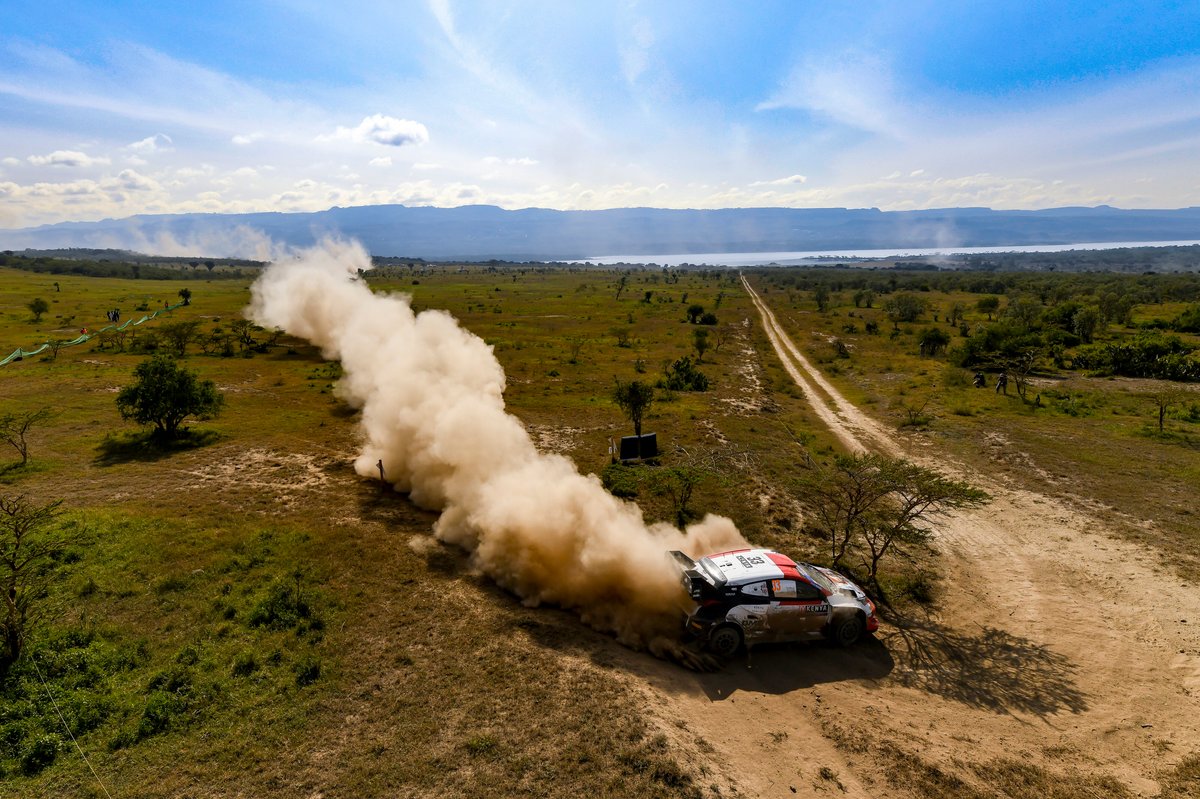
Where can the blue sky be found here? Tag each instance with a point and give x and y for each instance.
(114, 108)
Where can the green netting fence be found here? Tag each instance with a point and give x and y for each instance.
(19, 354)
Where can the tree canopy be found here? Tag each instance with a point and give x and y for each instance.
(165, 394)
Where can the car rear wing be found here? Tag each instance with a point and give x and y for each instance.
(695, 581)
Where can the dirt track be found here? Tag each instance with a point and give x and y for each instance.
(1061, 649)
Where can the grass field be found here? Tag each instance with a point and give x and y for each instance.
(243, 615)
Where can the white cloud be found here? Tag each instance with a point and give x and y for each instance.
(916, 173)
(853, 89)
(68, 158)
(635, 50)
(10, 161)
(493, 160)
(151, 144)
(384, 130)
(242, 139)
(385, 160)
(135, 181)
(425, 167)
(791, 180)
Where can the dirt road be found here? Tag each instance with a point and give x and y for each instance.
(1064, 659)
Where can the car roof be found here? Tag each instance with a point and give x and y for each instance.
(741, 566)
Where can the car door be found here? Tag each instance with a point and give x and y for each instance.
(750, 611)
(798, 610)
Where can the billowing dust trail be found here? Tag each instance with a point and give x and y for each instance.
(1058, 647)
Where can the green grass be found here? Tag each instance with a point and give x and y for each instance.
(182, 601)
(244, 614)
(1091, 439)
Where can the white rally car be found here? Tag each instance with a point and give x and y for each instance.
(751, 596)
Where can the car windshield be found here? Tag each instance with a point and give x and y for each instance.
(813, 574)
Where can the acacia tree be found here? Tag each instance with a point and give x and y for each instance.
(1165, 398)
(677, 484)
(932, 341)
(165, 394)
(988, 305)
(179, 334)
(871, 506)
(634, 398)
(15, 426)
(905, 307)
(29, 544)
(37, 306)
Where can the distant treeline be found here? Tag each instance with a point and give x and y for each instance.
(1050, 288)
(1177, 258)
(144, 267)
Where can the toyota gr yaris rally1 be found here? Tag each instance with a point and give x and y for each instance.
(751, 596)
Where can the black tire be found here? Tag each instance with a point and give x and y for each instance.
(725, 641)
(848, 631)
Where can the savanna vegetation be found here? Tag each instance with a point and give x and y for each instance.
(234, 610)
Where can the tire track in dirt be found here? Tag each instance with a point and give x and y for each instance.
(1060, 646)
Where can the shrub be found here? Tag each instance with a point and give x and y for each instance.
(281, 609)
(159, 714)
(307, 670)
(244, 664)
(620, 480)
(683, 375)
(40, 754)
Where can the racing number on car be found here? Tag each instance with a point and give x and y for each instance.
(755, 560)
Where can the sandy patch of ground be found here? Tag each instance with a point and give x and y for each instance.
(284, 477)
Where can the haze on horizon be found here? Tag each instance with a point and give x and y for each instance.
(117, 108)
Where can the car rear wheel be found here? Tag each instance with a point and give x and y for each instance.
(725, 641)
(847, 631)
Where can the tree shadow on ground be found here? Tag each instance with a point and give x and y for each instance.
(991, 670)
(144, 446)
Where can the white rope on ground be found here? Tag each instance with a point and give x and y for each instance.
(67, 727)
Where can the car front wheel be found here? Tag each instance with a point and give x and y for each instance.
(847, 631)
(725, 641)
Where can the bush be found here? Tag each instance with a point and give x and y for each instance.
(684, 376)
(40, 754)
(307, 670)
(244, 664)
(281, 609)
(1144, 355)
(159, 714)
(620, 480)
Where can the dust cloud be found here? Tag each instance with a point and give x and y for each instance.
(432, 400)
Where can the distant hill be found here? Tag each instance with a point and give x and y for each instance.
(483, 231)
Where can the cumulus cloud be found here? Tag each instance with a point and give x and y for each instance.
(242, 139)
(10, 161)
(381, 129)
(385, 160)
(135, 181)
(68, 158)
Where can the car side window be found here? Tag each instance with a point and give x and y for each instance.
(753, 593)
(806, 590)
(783, 589)
(795, 589)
